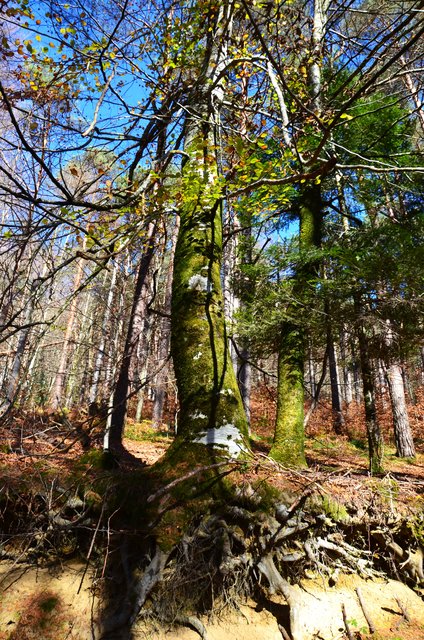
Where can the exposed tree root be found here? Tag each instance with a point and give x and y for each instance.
(251, 546)
(193, 623)
(254, 542)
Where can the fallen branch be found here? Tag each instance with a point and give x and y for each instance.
(365, 611)
(403, 609)
(346, 624)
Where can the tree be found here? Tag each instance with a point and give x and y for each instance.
(211, 410)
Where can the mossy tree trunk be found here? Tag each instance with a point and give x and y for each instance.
(289, 436)
(211, 411)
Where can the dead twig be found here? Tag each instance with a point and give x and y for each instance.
(403, 609)
(346, 624)
(365, 611)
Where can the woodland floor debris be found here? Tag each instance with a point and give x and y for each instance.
(322, 539)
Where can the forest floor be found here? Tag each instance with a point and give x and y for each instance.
(38, 446)
(37, 441)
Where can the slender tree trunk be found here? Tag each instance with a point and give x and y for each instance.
(357, 379)
(381, 383)
(318, 388)
(165, 339)
(135, 325)
(311, 372)
(146, 348)
(12, 386)
(402, 429)
(403, 434)
(86, 363)
(375, 439)
(318, 33)
(408, 386)
(346, 368)
(414, 93)
(231, 300)
(422, 364)
(336, 403)
(112, 368)
(104, 335)
(59, 382)
(244, 378)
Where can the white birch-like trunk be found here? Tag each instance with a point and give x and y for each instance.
(59, 382)
(318, 33)
(101, 352)
(12, 385)
(403, 435)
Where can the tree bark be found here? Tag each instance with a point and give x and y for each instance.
(165, 339)
(336, 403)
(403, 435)
(375, 439)
(346, 368)
(211, 410)
(289, 436)
(59, 382)
(402, 429)
(101, 351)
(12, 386)
(135, 325)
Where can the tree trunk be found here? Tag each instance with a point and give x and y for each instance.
(346, 368)
(229, 261)
(244, 378)
(375, 439)
(289, 436)
(58, 386)
(12, 385)
(80, 369)
(403, 435)
(143, 369)
(212, 417)
(211, 409)
(104, 333)
(336, 403)
(138, 312)
(165, 339)
(311, 372)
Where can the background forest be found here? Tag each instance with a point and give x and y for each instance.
(298, 125)
(212, 233)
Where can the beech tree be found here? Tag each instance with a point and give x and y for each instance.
(211, 409)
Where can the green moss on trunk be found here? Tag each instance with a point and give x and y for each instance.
(288, 446)
(289, 436)
(211, 409)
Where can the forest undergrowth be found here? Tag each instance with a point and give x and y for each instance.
(171, 544)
